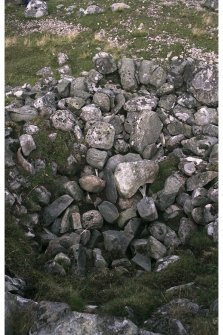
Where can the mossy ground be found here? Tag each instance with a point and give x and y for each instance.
(186, 27)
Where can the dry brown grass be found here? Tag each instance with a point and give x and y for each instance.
(10, 41)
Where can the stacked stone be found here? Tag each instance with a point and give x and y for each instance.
(114, 213)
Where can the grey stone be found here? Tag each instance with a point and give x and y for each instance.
(76, 220)
(167, 101)
(62, 244)
(62, 58)
(110, 188)
(130, 176)
(171, 240)
(146, 130)
(141, 103)
(186, 229)
(176, 127)
(80, 259)
(212, 230)
(63, 88)
(52, 211)
(147, 209)
(120, 6)
(85, 237)
(173, 185)
(152, 74)
(125, 216)
(63, 120)
(27, 144)
(121, 146)
(100, 136)
(204, 86)
(127, 74)
(108, 211)
(213, 158)
(155, 248)
(184, 114)
(199, 197)
(210, 130)
(92, 184)
(74, 190)
(75, 104)
(210, 4)
(102, 100)
(96, 158)
(36, 9)
(99, 261)
(121, 262)
(96, 237)
(200, 180)
(93, 9)
(143, 261)
(213, 194)
(133, 226)
(205, 116)
(177, 328)
(163, 263)
(104, 63)
(180, 288)
(139, 245)
(158, 230)
(198, 215)
(42, 195)
(92, 220)
(187, 100)
(24, 113)
(116, 242)
(90, 113)
(209, 213)
(9, 198)
(149, 151)
(62, 259)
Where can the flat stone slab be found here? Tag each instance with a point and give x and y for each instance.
(52, 211)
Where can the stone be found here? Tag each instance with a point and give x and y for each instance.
(90, 113)
(142, 261)
(158, 230)
(125, 216)
(100, 136)
(63, 88)
(205, 116)
(119, 6)
(42, 195)
(63, 120)
(167, 101)
(62, 244)
(149, 151)
(127, 74)
(151, 74)
(62, 259)
(147, 209)
(92, 220)
(80, 259)
(213, 158)
(96, 237)
(99, 261)
(155, 249)
(163, 263)
(200, 180)
(210, 213)
(211, 4)
(24, 113)
(75, 104)
(139, 245)
(133, 226)
(102, 100)
(109, 211)
(172, 186)
(140, 104)
(177, 327)
(96, 158)
(121, 262)
(212, 230)
(198, 215)
(204, 86)
(93, 9)
(62, 58)
(186, 229)
(52, 211)
(171, 240)
(36, 9)
(199, 197)
(104, 63)
(92, 184)
(76, 220)
(146, 130)
(116, 242)
(130, 176)
(73, 189)
(27, 144)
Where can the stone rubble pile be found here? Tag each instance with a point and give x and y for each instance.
(141, 172)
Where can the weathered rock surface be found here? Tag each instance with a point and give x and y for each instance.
(36, 9)
(100, 136)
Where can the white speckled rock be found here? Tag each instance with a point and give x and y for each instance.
(27, 144)
(100, 136)
(131, 175)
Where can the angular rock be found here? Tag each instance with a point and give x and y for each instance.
(63, 120)
(204, 86)
(146, 130)
(143, 261)
(27, 144)
(152, 74)
(127, 74)
(139, 104)
(125, 216)
(104, 63)
(158, 230)
(186, 229)
(163, 263)
(99, 261)
(155, 249)
(172, 186)
(116, 242)
(74, 190)
(130, 176)
(101, 136)
(62, 244)
(108, 211)
(102, 101)
(52, 211)
(211, 4)
(92, 184)
(200, 180)
(90, 113)
(24, 113)
(96, 158)
(92, 220)
(76, 220)
(42, 195)
(63, 88)
(139, 245)
(147, 209)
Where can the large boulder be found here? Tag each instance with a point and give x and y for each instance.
(104, 63)
(131, 175)
(152, 74)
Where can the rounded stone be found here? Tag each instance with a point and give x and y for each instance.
(92, 220)
(100, 136)
(92, 184)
